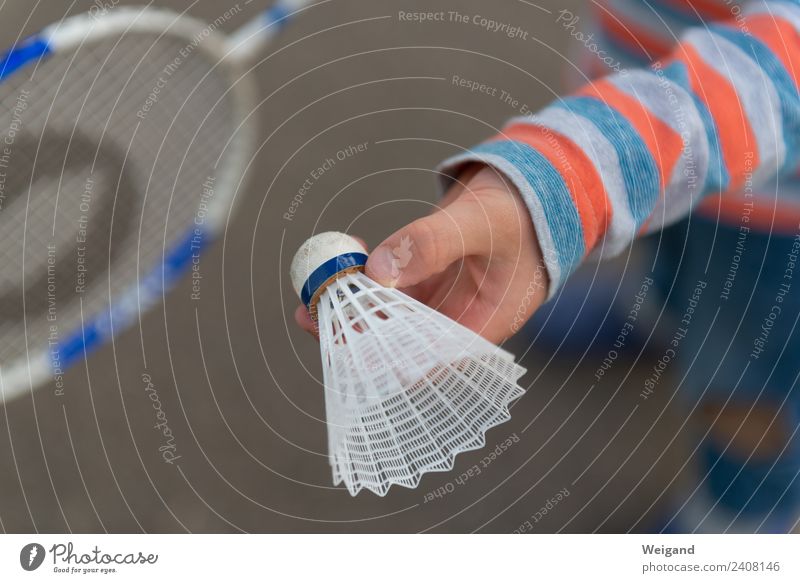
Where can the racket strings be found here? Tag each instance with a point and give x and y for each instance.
(71, 213)
(105, 152)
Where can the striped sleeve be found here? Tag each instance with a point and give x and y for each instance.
(637, 150)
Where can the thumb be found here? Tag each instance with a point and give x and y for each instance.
(430, 244)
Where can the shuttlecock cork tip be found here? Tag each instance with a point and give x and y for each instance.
(321, 258)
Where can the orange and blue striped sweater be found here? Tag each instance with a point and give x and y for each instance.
(701, 111)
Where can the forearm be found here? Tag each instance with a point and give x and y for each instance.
(638, 150)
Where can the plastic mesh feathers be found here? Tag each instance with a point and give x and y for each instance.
(406, 388)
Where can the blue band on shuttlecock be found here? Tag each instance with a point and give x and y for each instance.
(327, 270)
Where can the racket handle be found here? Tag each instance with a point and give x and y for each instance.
(248, 40)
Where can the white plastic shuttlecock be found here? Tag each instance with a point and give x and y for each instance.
(406, 388)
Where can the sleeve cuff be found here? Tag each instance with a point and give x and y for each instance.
(555, 216)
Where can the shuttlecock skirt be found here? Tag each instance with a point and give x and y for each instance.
(406, 388)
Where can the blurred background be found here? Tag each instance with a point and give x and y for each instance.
(241, 386)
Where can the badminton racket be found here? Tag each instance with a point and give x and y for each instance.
(124, 135)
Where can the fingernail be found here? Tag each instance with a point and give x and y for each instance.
(380, 265)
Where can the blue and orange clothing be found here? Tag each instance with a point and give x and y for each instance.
(710, 124)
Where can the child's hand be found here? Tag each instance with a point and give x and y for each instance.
(475, 259)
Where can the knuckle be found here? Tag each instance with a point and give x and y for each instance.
(431, 242)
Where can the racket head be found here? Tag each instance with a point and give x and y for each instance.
(124, 137)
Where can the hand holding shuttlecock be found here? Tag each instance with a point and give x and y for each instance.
(406, 388)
